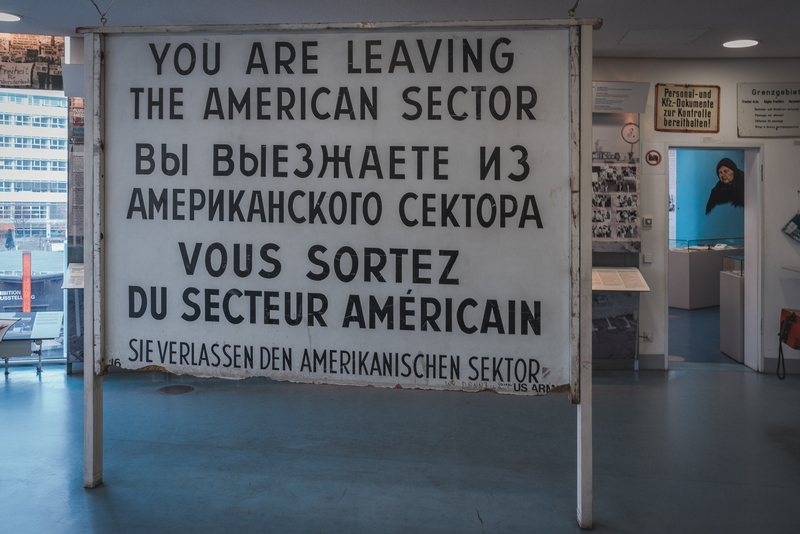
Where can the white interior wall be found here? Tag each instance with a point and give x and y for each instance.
(753, 242)
(781, 159)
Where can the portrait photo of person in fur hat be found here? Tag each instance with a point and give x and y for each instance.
(729, 189)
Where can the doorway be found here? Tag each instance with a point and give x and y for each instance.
(714, 214)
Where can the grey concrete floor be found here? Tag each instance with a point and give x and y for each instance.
(675, 452)
(694, 335)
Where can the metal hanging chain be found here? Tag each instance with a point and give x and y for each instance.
(571, 12)
(103, 18)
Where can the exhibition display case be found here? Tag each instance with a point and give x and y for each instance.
(694, 271)
(717, 243)
(733, 263)
(731, 313)
(615, 316)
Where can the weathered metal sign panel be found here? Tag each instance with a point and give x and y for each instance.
(376, 207)
(687, 108)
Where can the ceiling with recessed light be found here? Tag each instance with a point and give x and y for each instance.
(631, 28)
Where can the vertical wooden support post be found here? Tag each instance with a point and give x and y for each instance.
(92, 427)
(585, 465)
(93, 346)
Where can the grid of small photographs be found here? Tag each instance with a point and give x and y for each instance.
(615, 201)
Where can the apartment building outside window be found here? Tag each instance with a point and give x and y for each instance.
(33, 167)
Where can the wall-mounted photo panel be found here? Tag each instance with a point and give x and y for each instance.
(31, 61)
(616, 166)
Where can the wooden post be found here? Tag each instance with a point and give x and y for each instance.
(585, 513)
(93, 342)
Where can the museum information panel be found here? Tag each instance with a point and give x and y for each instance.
(768, 109)
(368, 207)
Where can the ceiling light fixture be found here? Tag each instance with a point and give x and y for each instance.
(9, 17)
(741, 43)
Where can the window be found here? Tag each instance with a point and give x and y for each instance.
(34, 100)
(31, 230)
(48, 101)
(38, 186)
(38, 121)
(23, 142)
(58, 210)
(28, 164)
(31, 210)
(52, 143)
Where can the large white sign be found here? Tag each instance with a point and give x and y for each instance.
(374, 207)
(768, 109)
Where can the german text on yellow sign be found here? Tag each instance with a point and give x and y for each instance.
(687, 108)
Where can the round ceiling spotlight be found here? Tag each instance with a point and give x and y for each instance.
(740, 43)
(9, 17)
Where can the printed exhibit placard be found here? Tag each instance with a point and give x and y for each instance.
(687, 108)
(618, 279)
(768, 109)
(33, 325)
(74, 276)
(619, 97)
(387, 208)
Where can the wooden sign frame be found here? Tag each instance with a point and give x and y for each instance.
(580, 272)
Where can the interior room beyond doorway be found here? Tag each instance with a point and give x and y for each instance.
(707, 222)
